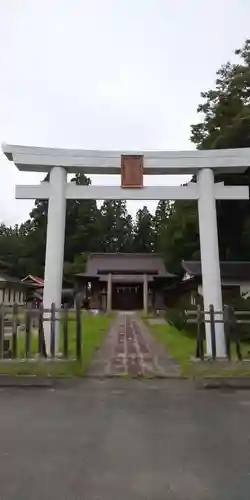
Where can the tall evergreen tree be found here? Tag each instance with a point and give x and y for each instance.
(116, 227)
(160, 222)
(144, 233)
(82, 232)
(225, 123)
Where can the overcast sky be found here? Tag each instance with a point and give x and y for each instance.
(107, 74)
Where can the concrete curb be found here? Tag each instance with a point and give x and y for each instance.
(40, 382)
(222, 383)
(127, 376)
(35, 381)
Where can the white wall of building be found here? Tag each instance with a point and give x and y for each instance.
(10, 296)
(244, 287)
(245, 290)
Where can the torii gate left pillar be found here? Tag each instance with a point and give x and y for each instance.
(54, 256)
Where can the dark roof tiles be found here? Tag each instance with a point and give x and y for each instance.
(234, 270)
(126, 262)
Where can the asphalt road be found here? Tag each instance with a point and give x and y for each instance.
(124, 440)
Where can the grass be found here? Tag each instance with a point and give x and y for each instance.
(183, 347)
(94, 329)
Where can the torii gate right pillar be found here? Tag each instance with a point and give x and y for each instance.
(210, 261)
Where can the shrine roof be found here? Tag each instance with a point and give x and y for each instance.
(126, 264)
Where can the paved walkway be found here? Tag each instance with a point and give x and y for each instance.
(130, 349)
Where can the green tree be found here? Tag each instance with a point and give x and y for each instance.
(116, 227)
(82, 231)
(36, 227)
(180, 239)
(24, 246)
(77, 266)
(225, 123)
(226, 108)
(144, 233)
(160, 222)
(13, 248)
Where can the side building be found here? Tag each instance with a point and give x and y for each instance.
(12, 289)
(235, 282)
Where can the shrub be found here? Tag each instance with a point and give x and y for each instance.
(177, 316)
(242, 330)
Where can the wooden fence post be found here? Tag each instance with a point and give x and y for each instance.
(41, 340)
(27, 332)
(52, 329)
(212, 330)
(65, 332)
(227, 329)
(14, 330)
(1, 331)
(236, 336)
(238, 351)
(233, 332)
(78, 331)
(200, 347)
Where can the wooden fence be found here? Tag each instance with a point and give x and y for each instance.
(20, 326)
(229, 317)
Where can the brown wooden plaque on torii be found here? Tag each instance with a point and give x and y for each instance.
(131, 171)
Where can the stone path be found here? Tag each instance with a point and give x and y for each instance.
(130, 349)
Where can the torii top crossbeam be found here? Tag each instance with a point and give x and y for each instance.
(40, 159)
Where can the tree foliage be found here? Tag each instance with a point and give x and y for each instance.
(224, 123)
(109, 228)
(226, 108)
(144, 231)
(116, 227)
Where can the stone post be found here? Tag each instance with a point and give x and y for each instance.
(109, 294)
(145, 294)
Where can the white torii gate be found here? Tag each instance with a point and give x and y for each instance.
(59, 162)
